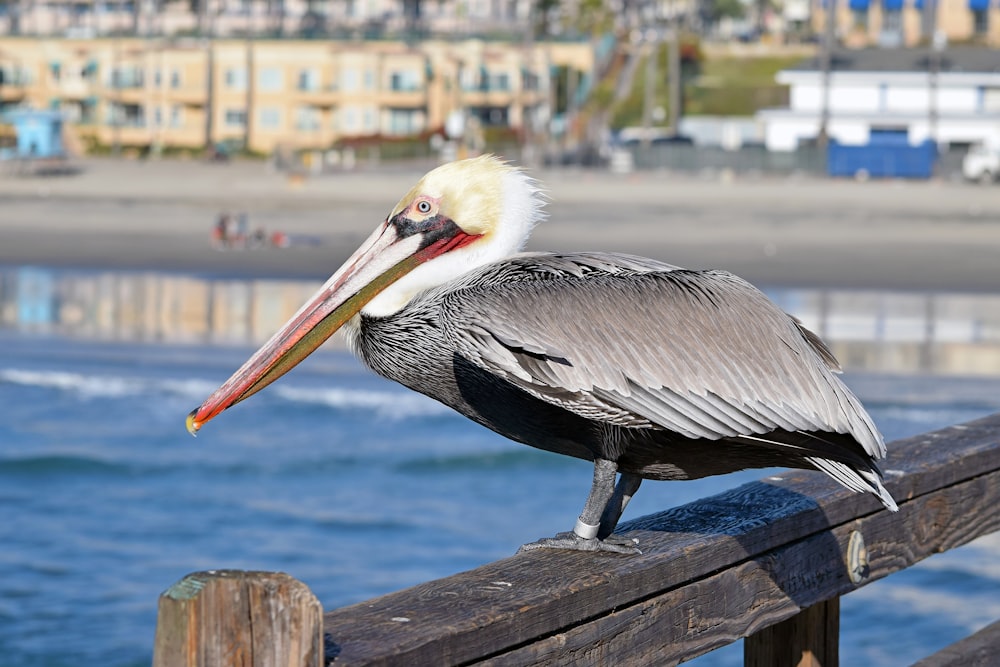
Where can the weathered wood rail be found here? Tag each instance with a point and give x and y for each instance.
(767, 561)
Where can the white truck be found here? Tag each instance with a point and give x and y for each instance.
(982, 163)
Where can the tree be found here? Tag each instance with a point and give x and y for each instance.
(720, 9)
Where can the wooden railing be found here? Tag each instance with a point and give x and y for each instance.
(767, 561)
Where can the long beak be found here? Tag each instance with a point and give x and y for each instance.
(380, 261)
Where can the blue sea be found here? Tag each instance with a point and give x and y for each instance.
(349, 483)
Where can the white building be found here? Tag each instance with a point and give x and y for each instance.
(891, 91)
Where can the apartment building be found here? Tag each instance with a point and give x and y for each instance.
(894, 23)
(280, 94)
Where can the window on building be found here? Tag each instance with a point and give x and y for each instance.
(307, 119)
(89, 71)
(175, 78)
(72, 112)
(529, 80)
(88, 112)
(269, 117)
(270, 80)
(236, 117)
(348, 120)
(236, 78)
(407, 80)
(123, 77)
(308, 80)
(494, 116)
(404, 122)
(989, 99)
(500, 82)
(892, 20)
(126, 115)
(859, 18)
(467, 79)
(157, 78)
(369, 120)
(369, 80)
(176, 116)
(981, 21)
(349, 80)
(158, 117)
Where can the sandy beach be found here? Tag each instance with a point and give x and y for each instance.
(798, 232)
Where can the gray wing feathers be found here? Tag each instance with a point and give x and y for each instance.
(636, 342)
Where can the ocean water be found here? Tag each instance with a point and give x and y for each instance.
(351, 484)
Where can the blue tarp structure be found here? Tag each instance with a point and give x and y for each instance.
(39, 133)
(892, 5)
(886, 155)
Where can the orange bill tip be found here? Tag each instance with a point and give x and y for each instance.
(192, 424)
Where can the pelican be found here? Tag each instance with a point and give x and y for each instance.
(646, 369)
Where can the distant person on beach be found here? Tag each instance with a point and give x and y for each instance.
(220, 232)
(242, 230)
(230, 230)
(279, 240)
(259, 238)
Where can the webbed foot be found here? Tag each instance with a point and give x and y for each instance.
(572, 541)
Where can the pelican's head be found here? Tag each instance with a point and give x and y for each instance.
(459, 217)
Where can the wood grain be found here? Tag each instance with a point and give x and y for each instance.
(981, 649)
(244, 619)
(808, 639)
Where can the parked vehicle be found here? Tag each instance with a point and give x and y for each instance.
(982, 163)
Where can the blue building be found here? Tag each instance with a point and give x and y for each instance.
(39, 134)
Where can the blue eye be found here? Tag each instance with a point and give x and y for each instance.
(424, 206)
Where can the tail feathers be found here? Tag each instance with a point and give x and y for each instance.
(856, 480)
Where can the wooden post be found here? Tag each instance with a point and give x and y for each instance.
(808, 639)
(245, 619)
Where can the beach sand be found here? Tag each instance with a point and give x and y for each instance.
(773, 231)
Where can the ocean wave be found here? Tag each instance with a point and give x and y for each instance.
(393, 405)
(85, 385)
(58, 463)
(386, 404)
(325, 517)
(104, 386)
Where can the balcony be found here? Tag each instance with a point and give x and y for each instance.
(409, 97)
(319, 96)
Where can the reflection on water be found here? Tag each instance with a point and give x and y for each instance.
(943, 333)
(899, 332)
(147, 307)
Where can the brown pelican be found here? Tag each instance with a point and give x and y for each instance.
(649, 370)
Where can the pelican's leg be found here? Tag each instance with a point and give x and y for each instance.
(627, 485)
(585, 534)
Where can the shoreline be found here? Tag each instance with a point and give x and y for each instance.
(775, 232)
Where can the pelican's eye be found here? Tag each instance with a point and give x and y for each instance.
(424, 206)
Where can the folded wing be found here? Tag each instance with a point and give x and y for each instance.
(637, 343)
